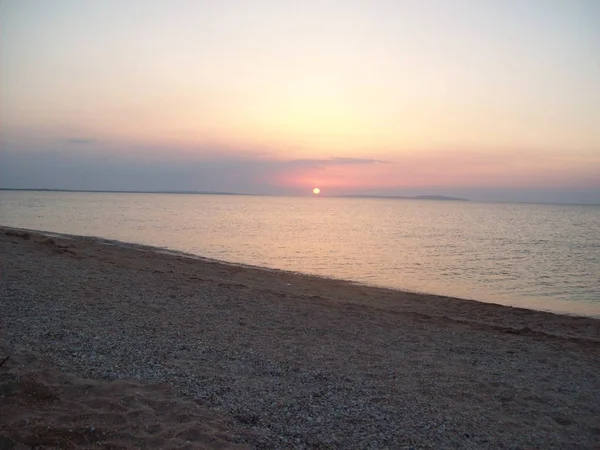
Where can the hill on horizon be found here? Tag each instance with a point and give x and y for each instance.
(402, 197)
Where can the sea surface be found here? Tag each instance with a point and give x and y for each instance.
(536, 256)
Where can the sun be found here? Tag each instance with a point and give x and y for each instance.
(316, 191)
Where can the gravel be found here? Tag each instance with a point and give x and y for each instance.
(317, 364)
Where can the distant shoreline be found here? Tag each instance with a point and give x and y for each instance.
(349, 196)
(128, 192)
(391, 197)
(404, 197)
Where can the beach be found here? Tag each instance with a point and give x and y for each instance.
(124, 346)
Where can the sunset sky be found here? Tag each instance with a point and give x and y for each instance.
(483, 99)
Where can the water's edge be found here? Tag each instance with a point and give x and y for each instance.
(165, 250)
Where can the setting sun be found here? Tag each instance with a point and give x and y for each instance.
(316, 191)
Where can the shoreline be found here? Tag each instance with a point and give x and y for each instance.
(585, 312)
(255, 358)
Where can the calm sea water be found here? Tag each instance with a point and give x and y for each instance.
(537, 256)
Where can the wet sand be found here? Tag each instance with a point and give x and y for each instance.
(116, 346)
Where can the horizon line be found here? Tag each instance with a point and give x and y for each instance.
(348, 196)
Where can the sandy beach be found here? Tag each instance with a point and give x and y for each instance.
(121, 346)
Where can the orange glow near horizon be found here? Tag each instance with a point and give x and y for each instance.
(462, 170)
(316, 191)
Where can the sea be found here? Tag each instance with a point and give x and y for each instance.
(536, 256)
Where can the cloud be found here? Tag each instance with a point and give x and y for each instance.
(359, 161)
(80, 141)
(340, 161)
(117, 167)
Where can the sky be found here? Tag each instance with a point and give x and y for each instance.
(483, 99)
